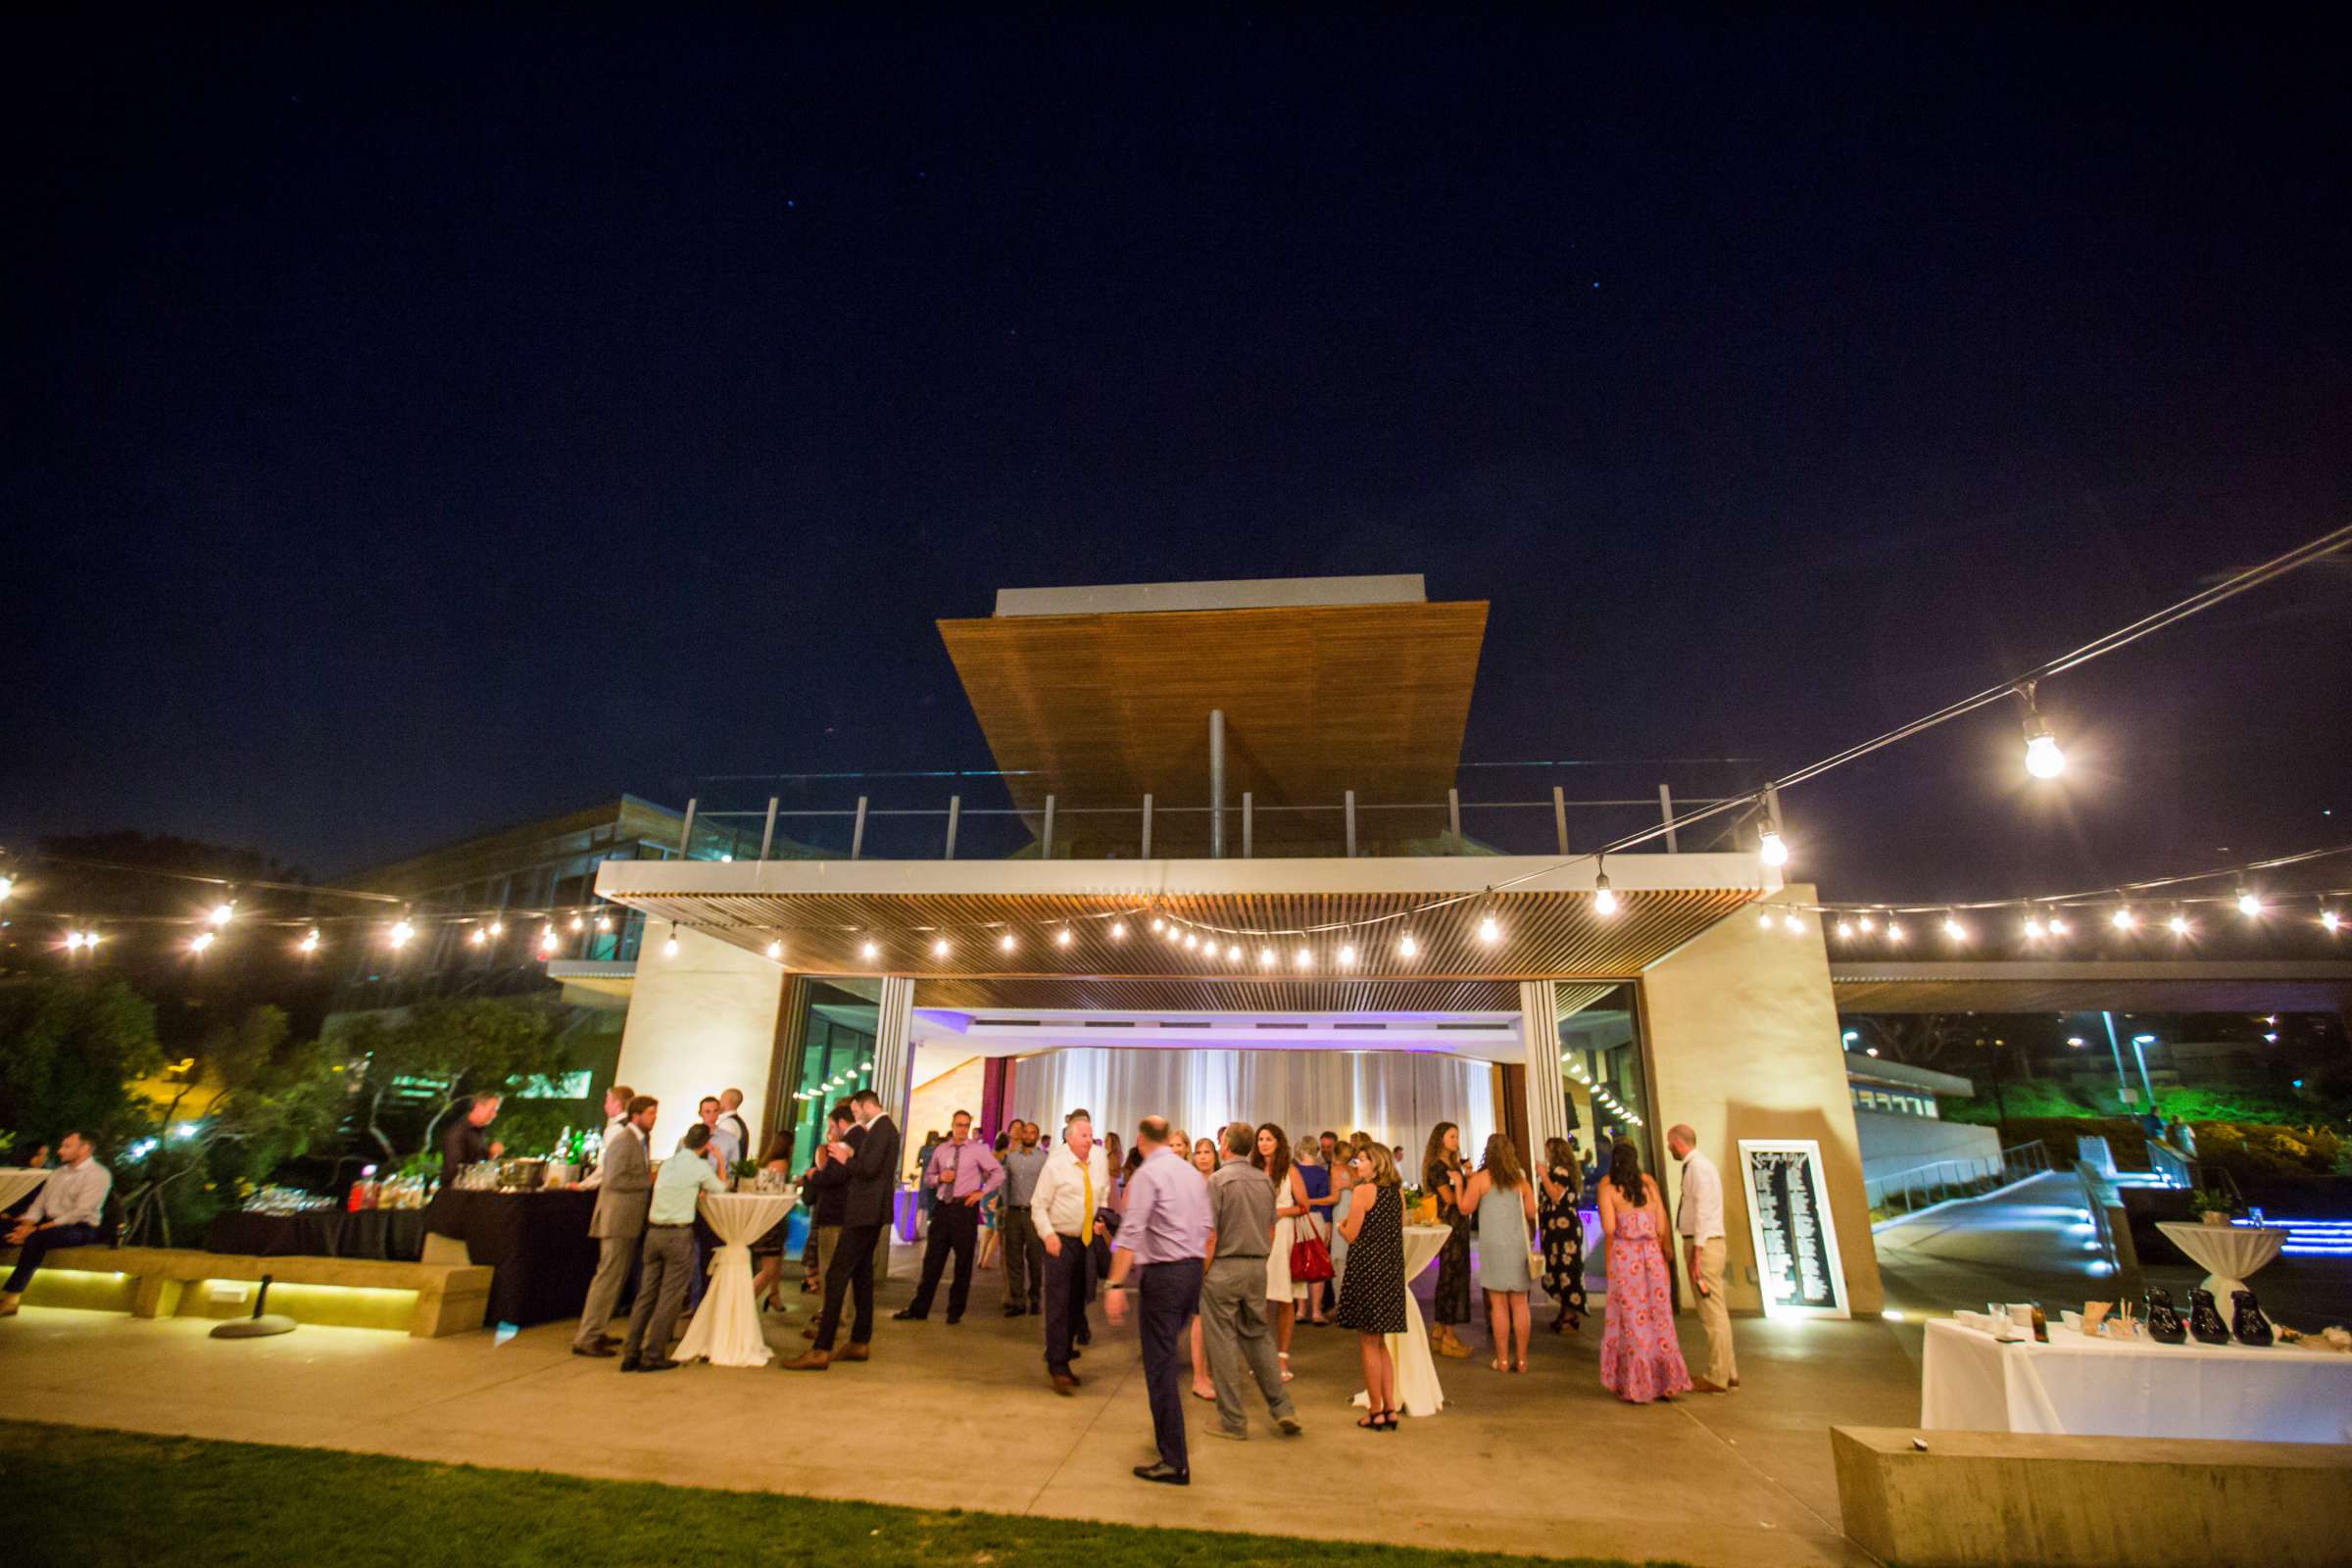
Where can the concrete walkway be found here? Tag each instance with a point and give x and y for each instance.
(1545, 1463)
(2026, 1242)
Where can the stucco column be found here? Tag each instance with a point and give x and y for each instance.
(1741, 1031)
(1539, 1042)
(700, 1022)
(894, 1054)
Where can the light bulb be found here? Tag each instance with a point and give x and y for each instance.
(578, 923)
(775, 950)
(498, 928)
(1846, 930)
(310, 943)
(1794, 923)
(604, 922)
(669, 948)
(2035, 930)
(1407, 947)
(2330, 920)
(1265, 957)
(2123, 919)
(1304, 959)
(223, 912)
(2057, 926)
(1191, 941)
(89, 939)
(1865, 923)
(2248, 903)
(2179, 924)
(1772, 848)
(1118, 930)
(1954, 929)
(2044, 758)
(1175, 935)
(73, 942)
(401, 932)
(1234, 953)
(1061, 938)
(1605, 897)
(8, 885)
(1007, 942)
(1895, 931)
(200, 941)
(1346, 954)
(479, 936)
(1489, 931)
(1157, 922)
(1764, 918)
(939, 949)
(870, 952)
(547, 939)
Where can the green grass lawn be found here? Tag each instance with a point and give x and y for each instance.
(80, 1494)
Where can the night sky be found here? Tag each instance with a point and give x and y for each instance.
(415, 425)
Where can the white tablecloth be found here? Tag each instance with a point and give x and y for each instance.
(16, 1182)
(2228, 1253)
(725, 1329)
(1971, 1382)
(1417, 1386)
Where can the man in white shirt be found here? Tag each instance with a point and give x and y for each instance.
(1699, 1219)
(1073, 1184)
(67, 1213)
(616, 1116)
(730, 1120)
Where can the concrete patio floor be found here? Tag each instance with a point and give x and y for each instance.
(944, 1417)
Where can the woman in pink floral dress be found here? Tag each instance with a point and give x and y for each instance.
(1641, 1359)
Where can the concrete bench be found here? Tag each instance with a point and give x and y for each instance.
(426, 1300)
(1981, 1499)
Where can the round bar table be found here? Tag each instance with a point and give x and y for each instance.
(725, 1331)
(2228, 1253)
(20, 1182)
(1417, 1386)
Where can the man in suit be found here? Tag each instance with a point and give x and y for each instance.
(871, 1185)
(625, 1189)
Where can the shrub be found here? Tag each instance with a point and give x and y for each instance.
(2258, 1149)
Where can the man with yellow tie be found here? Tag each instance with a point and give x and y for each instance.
(1063, 1207)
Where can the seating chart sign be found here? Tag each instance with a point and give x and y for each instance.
(1788, 1220)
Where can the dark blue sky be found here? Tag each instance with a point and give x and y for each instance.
(417, 424)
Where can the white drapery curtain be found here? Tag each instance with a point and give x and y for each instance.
(1394, 1096)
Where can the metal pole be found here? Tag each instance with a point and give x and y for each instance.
(1246, 825)
(1045, 850)
(1559, 815)
(1351, 824)
(858, 833)
(686, 831)
(767, 835)
(1666, 814)
(954, 811)
(1216, 783)
(1454, 817)
(2123, 1085)
(1146, 854)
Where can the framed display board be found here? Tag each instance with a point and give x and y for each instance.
(1788, 1220)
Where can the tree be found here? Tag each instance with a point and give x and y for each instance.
(249, 1098)
(437, 1053)
(71, 1046)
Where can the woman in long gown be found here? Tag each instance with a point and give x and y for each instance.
(1641, 1359)
(1443, 1177)
(1561, 1188)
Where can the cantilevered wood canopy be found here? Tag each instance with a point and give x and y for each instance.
(2178, 985)
(1100, 709)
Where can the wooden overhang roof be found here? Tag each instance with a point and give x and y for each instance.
(1101, 710)
(2184, 985)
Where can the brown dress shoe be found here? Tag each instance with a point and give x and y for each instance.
(853, 1352)
(810, 1362)
(1065, 1384)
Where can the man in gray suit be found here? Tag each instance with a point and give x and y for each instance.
(621, 1195)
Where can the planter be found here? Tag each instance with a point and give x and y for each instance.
(2214, 1216)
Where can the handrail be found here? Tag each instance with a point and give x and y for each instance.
(2010, 1165)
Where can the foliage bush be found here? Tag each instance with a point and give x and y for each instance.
(2256, 1150)
(2127, 1139)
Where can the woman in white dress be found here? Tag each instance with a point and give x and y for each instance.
(1273, 1156)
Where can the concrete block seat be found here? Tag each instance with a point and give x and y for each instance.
(426, 1300)
(1985, 1499)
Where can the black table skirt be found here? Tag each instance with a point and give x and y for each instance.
(537, 1242)
(394, 1234)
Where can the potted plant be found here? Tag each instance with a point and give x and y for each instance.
(743, 1170)
(2212, 1207)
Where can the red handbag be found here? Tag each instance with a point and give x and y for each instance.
(1310, 1258)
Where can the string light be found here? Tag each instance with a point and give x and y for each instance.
(1772, 848)
(2035, 930)
(2249, 903)
(939, 949)
(1954, 929)
(1306, 960)
(73, 942)
(2057, 926)
(1191, 941)
(308, 944)
(1234, 953)
(1490, 931)
(1846, 930)
(498, 928)
(2329, 920)
(870, 952)
(2123, 919)
(1157, 923)
(1061, 938)
(223, 912)
(1894, 931)
(1008, 941)
(669, 948)
(8, 885)
(1346, 955)
(775, 950)
(2179, 924)
(578, 923)
(2044, 758)
(1118, 930)
(1605, 897)
(1265, 957)
(1764, 918)
(547, 939)
(1794, 923)
(1407, 947)
(200, 941)
(604, 922)
(402, 931)
(479, 937)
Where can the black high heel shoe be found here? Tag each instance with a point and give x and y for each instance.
(2164, 1323)
(2204, 1321)
(2247, 1319)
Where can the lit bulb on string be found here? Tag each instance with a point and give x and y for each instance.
(2330, 921)
(870, 952)
(498, 928)
(2249, 903)
(1764, 918)
(73, 942)
(2057, 926)
(775, 950)
(670, 946)
(2123, 919)
(1346, 955)
(479, 937)
(223, 912)
(1265, 957)
(1191, 941)
(402, 931)
(1008, 941)
(1954, 929)
(2179, 924)
(1061, 938)
(2035, 929)
(579, 922)
(1233, 953)
(1865, 924)
(1118, 930)
(1794, 923)
(308, 944)
(1304, 959)
(200, 941)
(1157, 923)
(939, 949)
(1846, 930)
(547, 939)
(1407, 947)
(1490, 930)
(1894, 931)
(8, 885)
(1605, 897)
(1771, 848)
(604, 922)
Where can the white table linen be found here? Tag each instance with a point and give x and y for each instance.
(2228, 1253)
(2074, 1385)
(17, 1181)
(725, 1330)
(1418, 1386)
